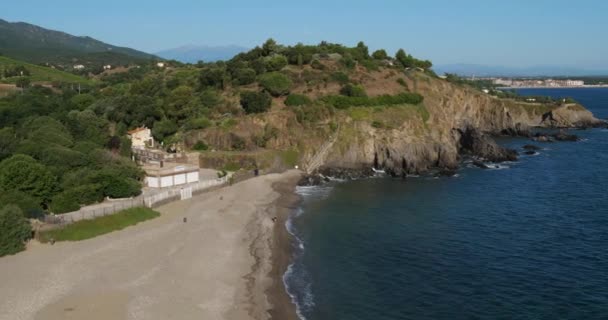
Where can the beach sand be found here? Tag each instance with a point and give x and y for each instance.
(225, 262)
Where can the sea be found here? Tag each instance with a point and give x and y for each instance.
(523, 240)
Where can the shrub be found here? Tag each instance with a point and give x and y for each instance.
(351, 90)
(23, 173)
(198, 123)
(342, 102)
(164, 128)
(277, 84)
(402, 82)
(275, 62)
(244, 76)
(255, 102)
(377, 124)
(29, 205)
(316, 64)
(380, 54)
(340, 77)
(64, 202)
(117, 186)
(14, 230)
(297, 100)
(200, 146)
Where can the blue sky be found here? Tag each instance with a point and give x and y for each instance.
(508, 33)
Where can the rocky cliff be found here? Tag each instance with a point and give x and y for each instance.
(453, 120)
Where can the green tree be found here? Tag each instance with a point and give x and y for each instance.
(23, 82)
(269, 47)
(23, 173)
(163, 129)
(275, 62)
(351, 90)
(275, 83)
(244, 76)
(380, 54)
(14, 230)
(255, 102)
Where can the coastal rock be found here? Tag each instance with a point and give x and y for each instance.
(563, 136)
(475, 143)
(480, 164)
(313, 180)
(531, 147)
(530, 152)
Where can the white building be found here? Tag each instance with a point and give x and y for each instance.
(141, 137)
(160, 64)
(107, 67)
(170, 174)
(78, 67)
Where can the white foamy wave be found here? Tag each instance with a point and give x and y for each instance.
(296, 279)
(321, 191)
(496, 166)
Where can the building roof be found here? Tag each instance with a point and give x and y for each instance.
(137, 130)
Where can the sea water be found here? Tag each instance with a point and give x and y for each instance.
(529, 241)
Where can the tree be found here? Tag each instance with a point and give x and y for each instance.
(269, 47)
(275, 62)
(255, 102)
(351, 90)
(23, 173)
(164, 128)
(275, 83)
(23, 82)
(244, 76)
(14, 230)
(215, 77)
(380, 54)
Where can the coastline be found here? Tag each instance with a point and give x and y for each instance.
(563, 87)
(225, 262)
(282, 306)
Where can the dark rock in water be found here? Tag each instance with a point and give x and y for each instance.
(312, 180)
(445, 173)
(530, 152)
(518, 131)
(540, 137)
(531, 147)
(480, 164)
(476, 143)
(323, 175)
(563, 136)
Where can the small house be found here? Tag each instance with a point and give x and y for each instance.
(107, 67)
(78, 67)
(141, 137)
(160, 64)
(169, 174)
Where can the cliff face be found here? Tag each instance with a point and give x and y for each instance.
(400, 139)
(458, 121)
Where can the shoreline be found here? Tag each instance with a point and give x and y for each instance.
(564, 87)
(282, 306)
(226, 261)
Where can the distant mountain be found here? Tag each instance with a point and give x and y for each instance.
(534, 71)
(27, 42)
(193, 53)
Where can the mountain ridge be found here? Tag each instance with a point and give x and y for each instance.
(191, 53)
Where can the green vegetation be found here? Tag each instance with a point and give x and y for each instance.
(11, 70)
(342, 102)
(297, 100)
(290, 157)
(86, 229)
(255, 102)
(14, 230)
(351, 90)
(275, 83)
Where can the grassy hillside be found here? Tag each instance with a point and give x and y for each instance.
(35, 44)
(38, 73)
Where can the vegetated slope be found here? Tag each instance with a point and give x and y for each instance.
(35, 44)
(37, 73)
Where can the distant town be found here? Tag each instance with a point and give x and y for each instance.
(544, 83)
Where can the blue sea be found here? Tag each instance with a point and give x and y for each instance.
(527, 240)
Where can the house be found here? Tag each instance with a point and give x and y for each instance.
(160, 64)
(141, 137)
(107, 67)
(78, 67)
(169, 174)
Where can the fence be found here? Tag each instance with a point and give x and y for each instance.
(107, 208)
(182, 193)
(95, 211)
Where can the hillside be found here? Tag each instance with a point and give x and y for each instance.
(31, 43)
(37, 73)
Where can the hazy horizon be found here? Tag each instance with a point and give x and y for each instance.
(514, 34)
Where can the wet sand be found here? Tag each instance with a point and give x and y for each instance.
(225, 262)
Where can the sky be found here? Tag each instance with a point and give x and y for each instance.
(512, 33)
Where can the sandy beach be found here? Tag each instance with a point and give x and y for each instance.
(225, 262)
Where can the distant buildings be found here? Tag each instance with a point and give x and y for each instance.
(78, 67)
(544, 83)
(107, 67)
(160, 64)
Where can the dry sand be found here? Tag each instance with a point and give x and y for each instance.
(217, 265)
